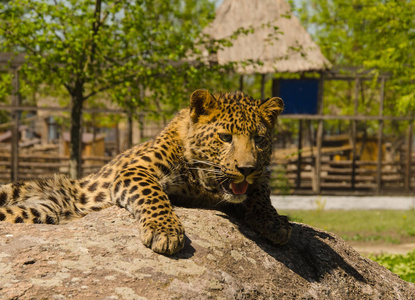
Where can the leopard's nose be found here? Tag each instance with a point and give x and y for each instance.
(246, 170)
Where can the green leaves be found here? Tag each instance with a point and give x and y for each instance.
(403, 265)
(118, 47)
(368, 34)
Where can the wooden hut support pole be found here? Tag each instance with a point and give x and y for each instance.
(354, 132)
(409, 157)
(317, 176)
(241, 83)
(319, 139)
(380, 137)
(299, 158)
(263, 86)
(15, 129)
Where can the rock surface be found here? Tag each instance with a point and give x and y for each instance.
(101, 257)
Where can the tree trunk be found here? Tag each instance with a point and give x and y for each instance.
(75, 149)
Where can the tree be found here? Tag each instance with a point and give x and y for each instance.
(115, 46)
(373, 34)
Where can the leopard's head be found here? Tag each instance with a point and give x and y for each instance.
(230, 140)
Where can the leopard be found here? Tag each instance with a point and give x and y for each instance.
(216, 153)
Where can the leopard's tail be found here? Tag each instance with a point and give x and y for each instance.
(48, 201)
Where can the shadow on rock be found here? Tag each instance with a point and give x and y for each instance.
(309, 252)
(187, 252)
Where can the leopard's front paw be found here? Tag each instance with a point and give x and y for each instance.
(275, 228)
(278, 231)
(164, 237)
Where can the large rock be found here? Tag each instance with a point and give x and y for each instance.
(101, 257)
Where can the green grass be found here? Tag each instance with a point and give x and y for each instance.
(371, 225)
(403, 265)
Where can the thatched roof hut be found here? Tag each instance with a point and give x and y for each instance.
(277, 32)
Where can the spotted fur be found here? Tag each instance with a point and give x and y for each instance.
(214, 153)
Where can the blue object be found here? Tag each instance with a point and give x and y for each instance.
(299, 95)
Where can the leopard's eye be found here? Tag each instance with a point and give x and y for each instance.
(227, 138)
(258, 139)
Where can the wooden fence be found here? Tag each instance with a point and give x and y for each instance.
(44, 166)
(340, 177)
(315, 173)
(336, 177)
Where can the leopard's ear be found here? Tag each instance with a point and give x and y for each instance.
(201, 102)
(270, 109)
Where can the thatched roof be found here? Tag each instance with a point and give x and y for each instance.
(277, 55)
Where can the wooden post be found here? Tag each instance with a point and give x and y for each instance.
(300, 146)
(80, 147)
(129, 129)
(275, 92)
(317, 168)
(409, 157)
(263, 86)
(317, 182)
(117, 139)
(380, 137)
(310, 136)
(241, 83)
(94, 139)
(141, 126)
(354, 132)
(15, 129)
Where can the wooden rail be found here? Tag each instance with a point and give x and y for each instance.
(335, 176)
(40, 166)
(339, 177)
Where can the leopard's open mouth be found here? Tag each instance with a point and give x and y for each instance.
(234, 188)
